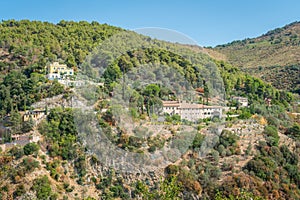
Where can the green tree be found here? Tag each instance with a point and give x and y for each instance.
(151, 90)
(27, 125)
(206, 91)
(198, 140)
(17, 152)
(42, 187)
(30, 148)
(294, 131)
(170, 189)
(272, 135)
(16, 121)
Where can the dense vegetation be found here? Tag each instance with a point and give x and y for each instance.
(20, 90)
(36, 43)
(278, 166)
(238, 83)
(269, 49)
(273, 56)
(281, 77)
(26, 47)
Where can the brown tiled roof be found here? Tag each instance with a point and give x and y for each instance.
(200, 90)
(187, 105)
(190, 105)
(171, 103)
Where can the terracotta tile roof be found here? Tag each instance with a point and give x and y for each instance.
(186, 105)
(200, 90)
(171, 103)
(190, 105)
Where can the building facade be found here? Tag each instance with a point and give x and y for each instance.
(33, 114)
(191, 111)
(58, 71)
(242, 101)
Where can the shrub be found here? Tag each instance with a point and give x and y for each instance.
(135, 141)
(43, 189)
(30, 148)
(245, 114)
(17, 152)
(271, 134)
(294, 131)
(197, 142)
(30, 164)
(20, 190)
(152, 149)
(172, 169)
(227, 138)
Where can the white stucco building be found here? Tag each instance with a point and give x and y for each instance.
(242, 101)
(191, 111)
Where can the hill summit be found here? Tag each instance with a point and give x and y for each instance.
(275, 56)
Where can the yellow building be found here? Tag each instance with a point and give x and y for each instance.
(58, 71)
(33, 114)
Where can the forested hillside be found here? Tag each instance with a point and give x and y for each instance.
(274, 56)
(34, 43)
(255, 156)
(26, 47)
(279, 47)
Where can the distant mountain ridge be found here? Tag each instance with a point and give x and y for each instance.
(278, 48)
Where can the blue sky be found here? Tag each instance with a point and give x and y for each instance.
(209, 22)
